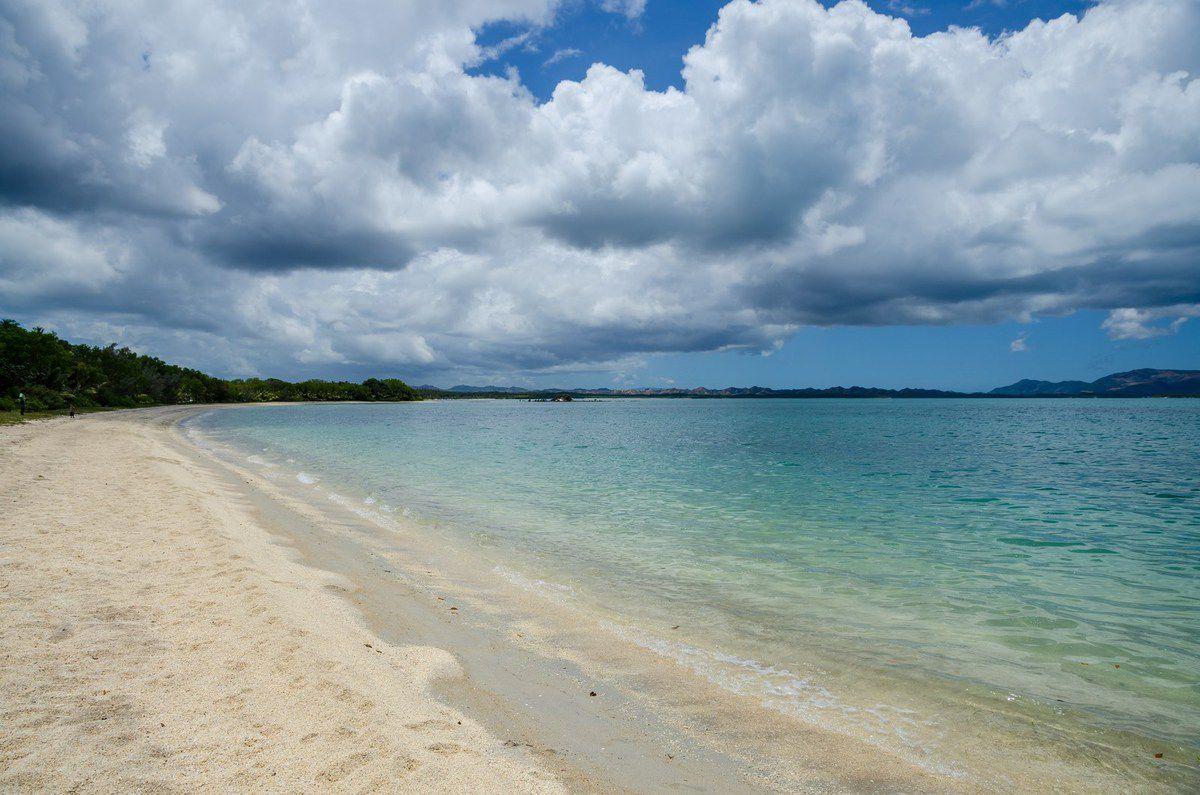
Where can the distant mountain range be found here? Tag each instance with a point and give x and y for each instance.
(1135, 383)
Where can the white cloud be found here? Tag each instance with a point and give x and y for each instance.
(562, 55)
(1019, 345)
(41, 256)
(146, 142)
(1129, 323)
(907, 9)
(331, 187)
(631, 9)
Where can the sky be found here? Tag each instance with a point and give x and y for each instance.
(609, 192)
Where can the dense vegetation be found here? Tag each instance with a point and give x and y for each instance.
(55, 374)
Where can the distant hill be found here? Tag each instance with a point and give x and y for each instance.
(1027, 387)
(1135, 383)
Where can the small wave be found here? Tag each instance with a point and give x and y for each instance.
(553, 591)
(781, 690)
(776, 688)
(306, 478)
(197, 438)
(394, 509)
(363, 512)
(1017, 541)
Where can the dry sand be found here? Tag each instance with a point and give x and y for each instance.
(153, 637)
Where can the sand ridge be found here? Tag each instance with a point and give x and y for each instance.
(153, 637)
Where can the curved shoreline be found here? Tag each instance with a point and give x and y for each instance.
(883, 723)
(516, 670)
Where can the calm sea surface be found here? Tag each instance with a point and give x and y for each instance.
(1038, 552)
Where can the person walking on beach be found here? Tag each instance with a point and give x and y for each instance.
(21, 402)
(71, 408)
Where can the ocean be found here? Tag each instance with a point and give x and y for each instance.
(889, 568)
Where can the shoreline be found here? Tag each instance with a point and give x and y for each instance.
(222, 613)
(523, 693)
(515, 669)
(531, 666)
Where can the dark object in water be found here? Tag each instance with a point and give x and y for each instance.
(561, 397)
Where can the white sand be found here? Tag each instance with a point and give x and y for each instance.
(153, 637)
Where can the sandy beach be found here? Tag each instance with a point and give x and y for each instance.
(153, 637)
(176, 620)
(172, 623)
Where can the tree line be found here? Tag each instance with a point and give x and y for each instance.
(54, 374)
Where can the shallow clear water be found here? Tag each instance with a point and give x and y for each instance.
(1044, 552)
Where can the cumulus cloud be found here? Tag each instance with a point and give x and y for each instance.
(1128, 323)
(1019, 345)
(253, 186)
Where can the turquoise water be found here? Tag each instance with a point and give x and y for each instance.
(1043, 552)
